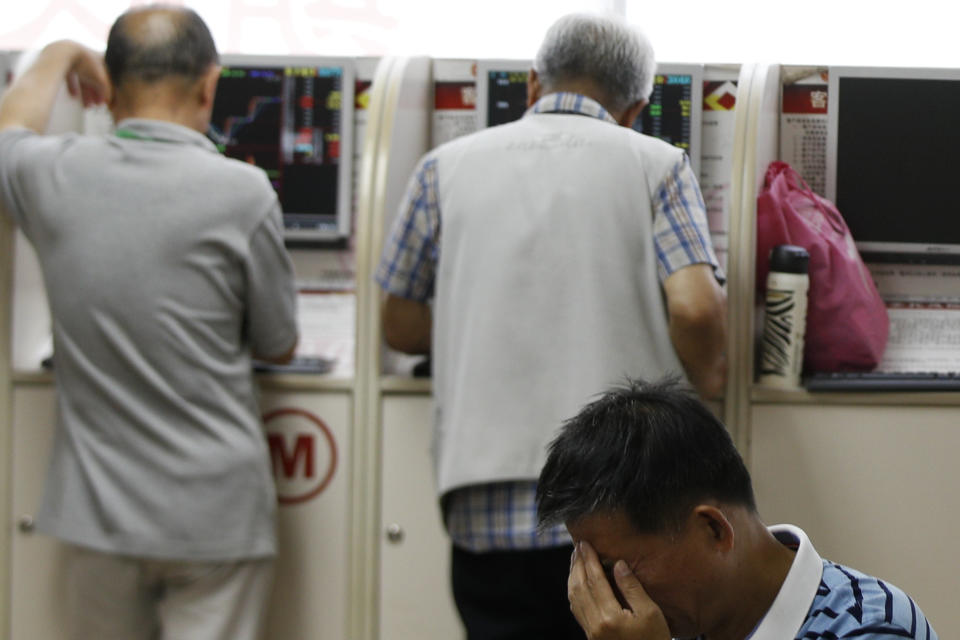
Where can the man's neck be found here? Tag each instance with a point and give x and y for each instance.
(757, 585)
(157, 113)
(168, 102)
(583, 87)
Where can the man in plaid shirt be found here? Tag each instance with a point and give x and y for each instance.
(538, 262)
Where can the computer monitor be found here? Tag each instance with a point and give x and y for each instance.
(501, 91)
(673, 115)
(293, 118)
(892, 147)
(675, 111)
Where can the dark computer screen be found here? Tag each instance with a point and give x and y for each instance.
(506, 96)
(897, 146)
(287, 121)
(670, 110)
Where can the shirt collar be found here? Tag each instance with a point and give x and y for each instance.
(576, 103)
(162, 131)
(789, 610)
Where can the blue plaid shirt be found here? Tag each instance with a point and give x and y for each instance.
(503, 515)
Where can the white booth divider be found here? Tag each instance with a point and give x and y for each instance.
(6, 387)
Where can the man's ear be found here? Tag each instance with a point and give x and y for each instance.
(714, 526)
(630, 115)
(208, 85)
(534, 88)
(110, 95)
(112, 99)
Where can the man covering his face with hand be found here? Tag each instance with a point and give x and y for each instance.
(669, 544)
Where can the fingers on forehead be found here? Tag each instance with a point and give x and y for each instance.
(597, 582)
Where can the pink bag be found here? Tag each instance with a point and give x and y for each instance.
(847, 322)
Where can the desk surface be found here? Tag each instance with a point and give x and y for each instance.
(272, 381)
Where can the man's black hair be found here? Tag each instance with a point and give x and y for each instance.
(651, 451)
(156, 42)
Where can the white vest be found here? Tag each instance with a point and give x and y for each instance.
(547, 290)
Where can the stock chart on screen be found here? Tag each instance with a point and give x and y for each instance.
(288, 121)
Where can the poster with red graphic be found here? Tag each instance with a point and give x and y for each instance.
(454, 100)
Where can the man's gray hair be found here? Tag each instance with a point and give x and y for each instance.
(605, 50)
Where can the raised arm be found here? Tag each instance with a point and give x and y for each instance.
(29, 101)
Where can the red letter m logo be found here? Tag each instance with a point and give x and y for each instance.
(286, 461)
(302, 451)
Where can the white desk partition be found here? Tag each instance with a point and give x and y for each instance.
(752, 146)
(717, 131)
(6, 286)
(398, 135)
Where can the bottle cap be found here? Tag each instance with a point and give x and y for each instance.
(787, 258)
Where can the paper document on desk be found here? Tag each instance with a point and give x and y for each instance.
(327, 323)
(923, 338)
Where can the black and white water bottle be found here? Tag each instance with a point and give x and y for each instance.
(785, 317)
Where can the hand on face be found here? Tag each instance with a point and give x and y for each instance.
(596, 607)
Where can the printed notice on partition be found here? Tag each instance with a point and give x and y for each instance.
(361, 94)
(454, 100)
(803, 131)
(455, 110)
(716, 160)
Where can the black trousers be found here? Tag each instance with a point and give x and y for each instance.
(514, 595)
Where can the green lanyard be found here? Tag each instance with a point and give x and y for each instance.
(130, 135)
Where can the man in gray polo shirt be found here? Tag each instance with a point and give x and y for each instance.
(166, 271)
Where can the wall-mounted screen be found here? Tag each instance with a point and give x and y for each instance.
(674, 114)
(501, 91)
(675, 111)
(892, 149)
(293, 118)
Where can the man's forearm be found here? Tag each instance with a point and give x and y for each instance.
(697, 308)
(701, 346)
(407, 325)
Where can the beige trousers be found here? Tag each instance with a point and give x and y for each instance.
(114, 597)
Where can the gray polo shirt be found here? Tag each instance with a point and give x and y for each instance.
(165, 267)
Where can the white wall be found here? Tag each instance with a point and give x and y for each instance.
(453, 28)
(853, 32)
(824, 32)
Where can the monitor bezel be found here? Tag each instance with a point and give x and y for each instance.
(880, 251)
(342, 218)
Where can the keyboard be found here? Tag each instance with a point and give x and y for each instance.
(883, 381)
(299, 364)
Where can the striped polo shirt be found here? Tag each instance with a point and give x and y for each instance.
(822, 600)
